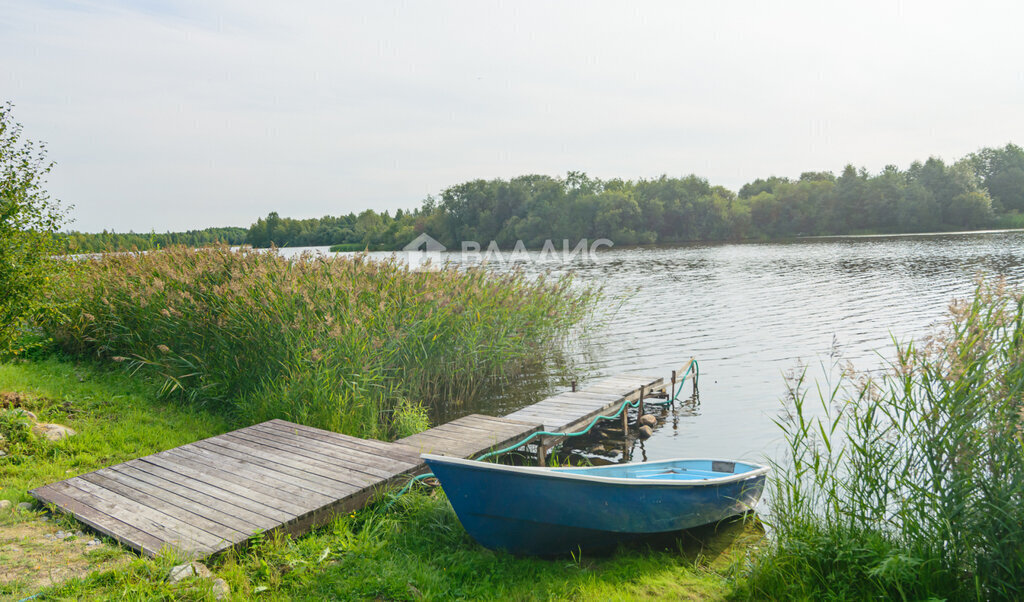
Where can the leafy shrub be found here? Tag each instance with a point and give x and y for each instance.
(28, 220)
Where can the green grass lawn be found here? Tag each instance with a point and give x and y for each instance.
(118, 417)
(414, 549)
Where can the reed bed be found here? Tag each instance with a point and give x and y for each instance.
(359, 346)
(909, 485)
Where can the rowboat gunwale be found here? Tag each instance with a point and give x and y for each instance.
(561, 473)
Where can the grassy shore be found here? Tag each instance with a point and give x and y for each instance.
(416, 548)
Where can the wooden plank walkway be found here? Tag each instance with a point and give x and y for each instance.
(573, 411)
(206, 497)
(470, 435)
(569, 412)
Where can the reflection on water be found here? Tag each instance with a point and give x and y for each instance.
(751, 313)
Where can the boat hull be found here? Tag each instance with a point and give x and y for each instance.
(541, 512)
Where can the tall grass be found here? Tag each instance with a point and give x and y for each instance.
(911, 484)
(350, 344)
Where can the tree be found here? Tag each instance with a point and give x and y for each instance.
(29, 220)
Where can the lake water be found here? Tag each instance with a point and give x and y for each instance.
(752, 312)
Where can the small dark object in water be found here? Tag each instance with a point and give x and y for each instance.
(646, 431)
(648, 420)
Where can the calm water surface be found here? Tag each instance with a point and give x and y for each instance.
(751, 313)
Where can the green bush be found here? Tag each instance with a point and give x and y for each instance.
(912, 486)
(343, 343)
(28, 221)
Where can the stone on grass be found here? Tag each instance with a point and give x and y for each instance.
(26, 506)
(220, 589)
(646, 431)
(5, 504)
(185, 571)
(22, 411)
(648, 420)
(52, 431)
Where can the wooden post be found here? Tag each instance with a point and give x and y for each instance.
(625, 419)
(542, 454)
(574, 385)
(641, 406)
(673, 390)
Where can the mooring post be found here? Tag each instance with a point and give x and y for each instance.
(542, 454)
(641, 406)
(672, 399)
(625, 418)
(693, 377)
(574, 385)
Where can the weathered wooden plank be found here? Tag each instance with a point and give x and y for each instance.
(586, 398)
(472, 433)
(444, 447)
(247, 516)
(473, 430)
(368, 465)
(492, 420)
(570, 402)
(284, 488)
(217, 480)
(547, 415)
(158, 525)
(547, 420)
(387, 466)
(565, 406)
(396, 457)
(386, 448)
(584, 394)
(444, 441)
(489, 422)
(566, 410)
(251, 501)
(499, 431)
(127, 534)
(206, 511)
(310, 465)
(298, 476)
(181, 509)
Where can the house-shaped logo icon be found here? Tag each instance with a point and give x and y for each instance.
(424, 250)
(431, 244)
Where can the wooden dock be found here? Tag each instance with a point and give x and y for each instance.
(573, 411)
(206, 497)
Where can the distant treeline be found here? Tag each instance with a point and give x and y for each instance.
(82, 242)
(984, 189)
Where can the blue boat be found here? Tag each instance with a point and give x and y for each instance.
(548, 511)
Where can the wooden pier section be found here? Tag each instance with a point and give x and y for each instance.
(206, 497)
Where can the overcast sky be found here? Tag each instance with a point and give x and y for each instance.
(175, 115)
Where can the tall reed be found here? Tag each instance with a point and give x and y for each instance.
(355, 345)
(910, 484)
